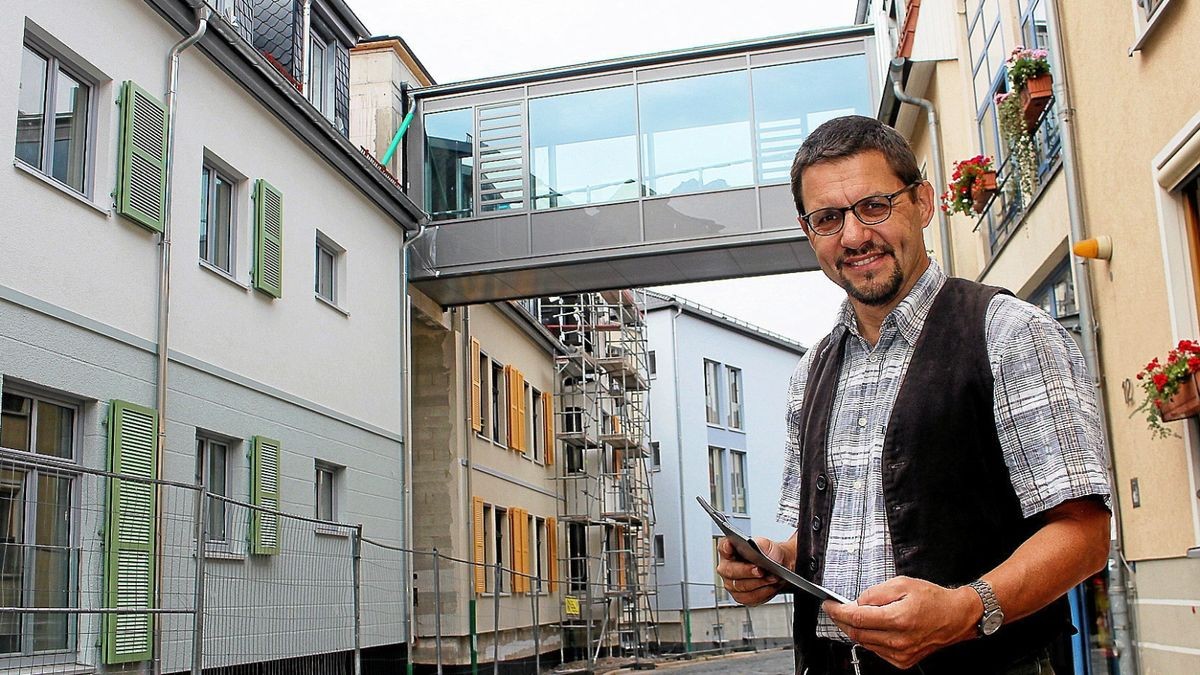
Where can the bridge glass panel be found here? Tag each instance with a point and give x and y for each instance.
(696, 133)
(449, 164)
(793, 99)
(583, 147)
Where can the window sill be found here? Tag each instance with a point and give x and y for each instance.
(328, 531)
(331, 305)
(221, 551)
(204, 264)
(20, 666)
(1148, 26)
(70, 192)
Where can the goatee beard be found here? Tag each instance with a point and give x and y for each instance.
(877, 293)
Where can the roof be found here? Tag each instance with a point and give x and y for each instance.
(660, 301)
(406, 54)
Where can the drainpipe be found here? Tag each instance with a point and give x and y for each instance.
(164, 295)
(406, 458)
(896, 73)
(1122, 586)
(306, 47)
(686, 624)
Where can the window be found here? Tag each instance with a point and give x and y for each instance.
(1057, 294)
(660, 549)
(734, 375)
(652, 363)
(215, 457)
(216, 219)
(537, 430)
(449, 164)
(584, 147)
(541, 559)
(716, 479)
(499, 403)
(577, 551)
(655, 455)
(328, 272)
(321, 60)
(325, 483)
(737, 481)
(712, 408)
(37, 524)
(53, 117)
(696, 133)
(501, 554)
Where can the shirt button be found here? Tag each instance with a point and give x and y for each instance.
(816, 523)
(812, 564)
(862, 421)
(822, 481)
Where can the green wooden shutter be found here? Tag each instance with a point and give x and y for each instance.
(141, 193)
(268, 239)
(264, 492)
(130, 532)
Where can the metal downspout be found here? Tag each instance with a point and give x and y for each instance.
(895, 72)
(164, 306)
(1122, 586)
(306, 48)
(406, 434)
(686, 623)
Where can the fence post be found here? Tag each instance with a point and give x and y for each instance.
(437, 610)
(200, 532)
(356, 550)
(717, 608)
(496, 621)
(537, 636)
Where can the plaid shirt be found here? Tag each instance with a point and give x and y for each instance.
(1046, 418)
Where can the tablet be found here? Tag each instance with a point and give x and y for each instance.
(749, 551)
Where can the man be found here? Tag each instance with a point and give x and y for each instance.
(945, 462)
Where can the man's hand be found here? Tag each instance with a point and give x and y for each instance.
(749, 584)
(903, 620)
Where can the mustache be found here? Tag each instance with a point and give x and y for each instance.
(865, 249)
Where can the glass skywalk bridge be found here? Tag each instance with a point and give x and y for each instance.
(657, 169)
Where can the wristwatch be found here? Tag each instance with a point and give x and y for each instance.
(993, 616)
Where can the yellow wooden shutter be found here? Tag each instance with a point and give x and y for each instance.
(522, 420)
(551, 552)
(514, 548)
(548, 425)
(480, 554)
(476, 388)
(510, 425)
(524, 526)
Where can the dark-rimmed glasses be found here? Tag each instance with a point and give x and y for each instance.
(870, 210)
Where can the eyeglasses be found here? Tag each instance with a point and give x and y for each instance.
(869, 211)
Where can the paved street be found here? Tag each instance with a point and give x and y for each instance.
(773, 662)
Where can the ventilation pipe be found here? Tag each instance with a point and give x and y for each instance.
(306, 48)
(896, 73)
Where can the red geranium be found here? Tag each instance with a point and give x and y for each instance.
(1162, 381)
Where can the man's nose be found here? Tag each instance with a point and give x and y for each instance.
(854, 233)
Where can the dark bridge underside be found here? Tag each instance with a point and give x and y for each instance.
(674, 263)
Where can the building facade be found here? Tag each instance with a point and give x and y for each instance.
(717, 415)
(1129, 187)
(282, 359)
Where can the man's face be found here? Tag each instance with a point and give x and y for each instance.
(876, 264)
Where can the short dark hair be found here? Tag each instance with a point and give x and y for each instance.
(848, 136)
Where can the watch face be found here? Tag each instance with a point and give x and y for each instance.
(991, 622)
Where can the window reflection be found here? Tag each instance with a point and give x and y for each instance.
(31, 108)
(449, 170)
(696, 133)
(793, 99)
(70, 124)
(584, 147)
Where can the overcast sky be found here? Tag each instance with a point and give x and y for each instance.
(468, 39)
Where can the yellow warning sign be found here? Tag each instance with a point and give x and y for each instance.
(571, 605)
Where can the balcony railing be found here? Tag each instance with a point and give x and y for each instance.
(1006, 210)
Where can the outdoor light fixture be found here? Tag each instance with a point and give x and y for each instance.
(1098, 247)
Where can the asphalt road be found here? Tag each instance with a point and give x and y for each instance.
(773, 662)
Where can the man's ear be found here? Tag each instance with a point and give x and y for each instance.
(927, 201)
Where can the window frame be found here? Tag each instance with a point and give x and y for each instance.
(716, 477)
(737, 482)
(660, 549)
(328, 76)
(333, 471)
(205, 443)
(735, 386)
(655, 456)
(712, 393)
(498, 400)
(337, 270)
(58, 60)
(210, 169)
(33, 471)
(1145, 20)
(535, 424)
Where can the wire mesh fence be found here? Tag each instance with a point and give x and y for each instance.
(99, 570)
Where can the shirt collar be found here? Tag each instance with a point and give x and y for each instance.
(908, 316)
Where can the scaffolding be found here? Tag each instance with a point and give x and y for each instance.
(603, 426)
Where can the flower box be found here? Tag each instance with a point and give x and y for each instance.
(1184, 404)
(982, 190)
(1035, 96)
